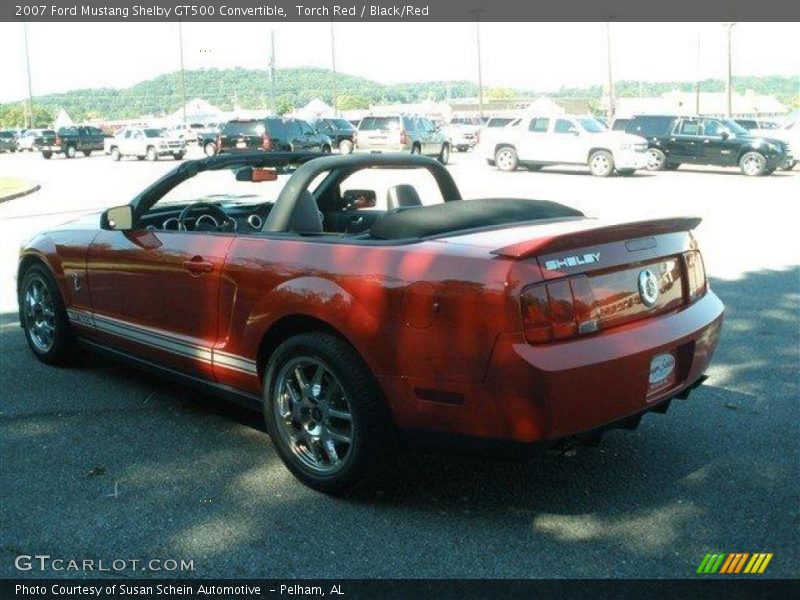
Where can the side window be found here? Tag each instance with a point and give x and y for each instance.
(689, 128)
(564, 126)
(126, 134)
(539, 125)
(306, 128)
(427, 124)
(712, 128)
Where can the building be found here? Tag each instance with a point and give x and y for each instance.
(676, 102)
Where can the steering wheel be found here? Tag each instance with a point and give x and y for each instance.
(224, 222)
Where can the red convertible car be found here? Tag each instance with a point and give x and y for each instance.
(356, 328)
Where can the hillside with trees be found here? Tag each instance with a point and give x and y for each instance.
(248, 88)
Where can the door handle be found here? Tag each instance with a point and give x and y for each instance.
(198, 265)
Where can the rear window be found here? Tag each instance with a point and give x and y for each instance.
(651, 126)
(380, 123)
(243, 128)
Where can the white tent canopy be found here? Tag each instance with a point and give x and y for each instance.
(197, 111)
(62, 119)
(316, 109)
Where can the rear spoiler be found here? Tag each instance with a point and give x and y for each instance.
(599, 235)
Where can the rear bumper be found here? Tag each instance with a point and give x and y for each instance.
(543, 393)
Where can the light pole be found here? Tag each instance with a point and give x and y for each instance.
(697, 79)
(333, 65)
(478, 12)
(183, 74)
(728, 81)
(611, 100)
(29, 116)
(272, 71)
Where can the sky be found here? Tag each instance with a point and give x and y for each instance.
(538, 56)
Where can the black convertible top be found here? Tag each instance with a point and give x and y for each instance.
(450, 217)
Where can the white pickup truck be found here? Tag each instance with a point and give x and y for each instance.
(144, 142)
(534, 142)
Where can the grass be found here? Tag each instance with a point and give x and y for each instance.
(12, 185)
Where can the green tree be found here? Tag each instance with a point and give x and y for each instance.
(352, 102)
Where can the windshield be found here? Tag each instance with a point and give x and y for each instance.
(152, 133)
(734, 127)
(591, 125)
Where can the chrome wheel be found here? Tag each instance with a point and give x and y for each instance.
(655, 160)
(40, 316)
(600, 164)
(313, 415)
(505, 160)
(752, 164)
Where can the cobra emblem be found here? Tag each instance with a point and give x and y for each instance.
(648, 287)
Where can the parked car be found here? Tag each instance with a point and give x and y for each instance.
(270, 135)
(340, 131)
(8, 141)
(676, 140)
(538, 141)
(71, 140)
(145, 142)
(463, 132)
(27, 140)
(402, 133)
(511, 321)
(207, 139)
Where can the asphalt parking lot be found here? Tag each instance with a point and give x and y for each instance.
(100, 461)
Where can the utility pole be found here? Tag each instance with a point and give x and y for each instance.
(183, 74)
(728, 81)
(697, 79)
(611, 99)
(29, 116)
(333, 65)
(478, 12)
(272, 72)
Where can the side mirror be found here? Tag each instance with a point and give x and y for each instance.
(575, 132)
(724, 135)
(119, 218)
(356, 199)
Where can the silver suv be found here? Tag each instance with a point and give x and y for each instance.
(402, 133)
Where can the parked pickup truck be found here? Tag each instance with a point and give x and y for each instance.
(463, 132)
(71, 140)
(535, 141)
(145, 142)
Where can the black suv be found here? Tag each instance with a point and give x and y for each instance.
(270, 135)
(673, 141)
(8, 141)
(341, 132)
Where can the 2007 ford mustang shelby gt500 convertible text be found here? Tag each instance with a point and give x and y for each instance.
(494, 320)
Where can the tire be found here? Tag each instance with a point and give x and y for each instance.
(44, 318)
(178, 155)
(326, 149)
(462, 148)
(47, 155)
(533, 167)
(672, 166)
(151, 155)
(346, 147)
(70, 152)
(656, 160)
(753, 164)
(115, 154)
(87, 152)
(444, 155)
(506, 159)
(210, 149)
(626, 172)
(789, 167)
(601, 163)
(416, 149)
(300, 418)
(140, 158)
(490, 162)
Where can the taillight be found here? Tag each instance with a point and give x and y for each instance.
(558, 310)
(695, 275)
(266, 143)
(403, 138)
